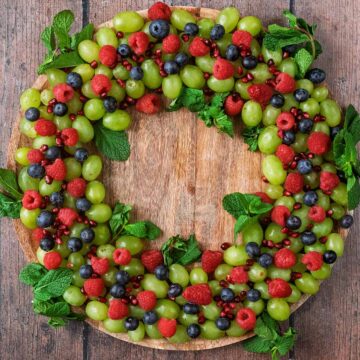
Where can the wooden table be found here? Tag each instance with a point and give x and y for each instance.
(328, 324)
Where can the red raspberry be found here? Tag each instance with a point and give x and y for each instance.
(171, 44)
(284, 259)
(146, 299)
(294, 183)
(199, 294)
(264, 197)
(285, 153)
(37, 234)
(233, 105)
(76, 187)
(317, 214)
(100, 84)
(198, 47)
(319, 143)
(67, 216)
(210, 260)
(261, 93)
(313, 260)
(246, 318)
(117, 309)
(57, 170)
(35, 156)
(159, 11)
(285, 121)
(279, 214)
(167, 327)
(239, 275)
(241, 38)
(138, 42)
(279, 288)
(45, 127)
(100, 265)
(149, 104)
(63, 92)
(151, 259)
(285, 83)
(122, 256)
(52, 260)
(94, 287)
(31, 200)
(223, 69)
(70, 136)
(328, 181)
(107, 55)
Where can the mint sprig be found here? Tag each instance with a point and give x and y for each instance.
(10, 195)
(251, 136)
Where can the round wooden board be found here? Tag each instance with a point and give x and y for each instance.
(176, 176)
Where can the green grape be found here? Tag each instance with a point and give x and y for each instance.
(278, 309)
(40, 255)
(311, 106)
(137, 312)
(270, 115)
(28, 128)
(305, 84)
(152, 78)
(114, 326)
(323, 200)
(76, 229)
(223, 43)
(253, 233)
(260, 73)
(128, 21)
(198, 276)
(146, 30)
(96, 310)
(138, 334)
(211, 311)
(87, 90)
(74, 296)
(21, 156)
(257, 306)
(289, 102)
(228, 18)
(167, 308)
(328, 167)
(289, 66)
(180, 336)
(62, 248)
(235, 330)
(335, 243)
(295, 295)
(222, 271)
(273, 273)
(30, 98)
(99, 212)
(338, 211)
(76, 260)
(302, 214)
(89, 50)
(44, 114)
(179, 18)
(103, 70)
(251, 113)
(300, 144)
(179, 275)
(242, 89)
(274, 55)
(339, 195)
(92, 167)
(135, 267)
(323, 273)
(152, 331)
(192, 76)
(205, 25)
(263, 288)
(84, 128)
(324, 228)
(121, 73)
(187, 319)
(332, 112)
(77, 280)
(312, 179)
(95, 192)
(94, 109)
(74, 105)
(318, 247)
(238, 288)
(296, 245)
(85, 71)
(321, 126)
(62, 122)
(45, 96)
(44, 140)
(73, 168)
(210, 331)
(205, 63)
(257, 273)
(273, 170)
(287, 201)
(269, 140)
(55, 76)
(180, 300)
(132, 243)
(252, 24)
(235, 255)
(135, 88)
(102, 234)
(106, 36)
(320, 93)
(110, 277)
(69, 201)
(26, 182)
(117, 91)
(47, 189)
(105, 251)
(307, 284)
(159, 287)
(220, 86)
(172, 86)
(117, 121)
(215, 287)
(255, 47)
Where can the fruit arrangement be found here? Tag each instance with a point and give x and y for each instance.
(93, 259)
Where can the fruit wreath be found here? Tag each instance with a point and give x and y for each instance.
(93, 259)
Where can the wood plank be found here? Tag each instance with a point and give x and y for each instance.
(24, 334)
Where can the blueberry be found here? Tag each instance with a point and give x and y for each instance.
(81, 154)
(217, 32)
(222, 323)
(301, 95)
(74, 244)
(57, 198)
(87, 235)
(117, 291)
(316, 75)
(60, 109)
(346, 221)
(32, 114)
(150, 318)
(334, 131)
(293, 222)
(174, 290)
(253, 295)
(52, 153)
(161, 272)
(227, 295)
(122, 277)
(329, 257)
(124, 50)
(45, 219)
(181, 59)
(171, 67)
(191, 308)
(110, 104)
(74, 80)
(288, 137)
(159, 29)
(232, 53)
(83, 204)
(36, 171)
(191, 29)
(305, 126)
(136, 73)
(47, 243)
(304, 166)
(265, 260)
(291, 49)
(341, 176)
(277, 101)
(308, 238)
(85, 271)
(193, 330)
(252, 249)
(131, 323)
(249, 62)
(310, 198)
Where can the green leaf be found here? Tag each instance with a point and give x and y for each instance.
(58, 309)
(352, 123)
(286, 342)
(31, 274)
(257, 345)
(193, 99)
(9, 207)
(304, 60)
(143, 229)
(120, 217)
(224, 124)
(48, 39)
(251, 136)
(291, 17)
(235, 204)
(62, 24)
(353, 189)
(263, 330)
(318, 48)
(65, 60)
(242, 222)
(112, 144)
(85, 34)
(56, 322)
(270, 322)
(8, 184)
(257, 207)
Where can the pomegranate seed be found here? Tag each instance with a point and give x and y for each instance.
(225, 245)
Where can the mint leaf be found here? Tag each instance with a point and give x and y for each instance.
(31, 274)
(58, 309)
(286, 342)
(65, 60)
(143, 229)
(9, 185)
(251, 136)
(85, 34)
(353, 189)
(352, 123)
(120, 217)
(257, 345)
(303, 60)
(192, 99)
(224, 124)
(56, 322)
(62, 24)
(291, 17)
(48, 38)
(9, 207)
(317, 46)
(112, 144)
(242, 222)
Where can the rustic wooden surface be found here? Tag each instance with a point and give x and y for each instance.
(328, 324)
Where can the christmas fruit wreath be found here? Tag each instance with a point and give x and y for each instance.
(93, 260)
